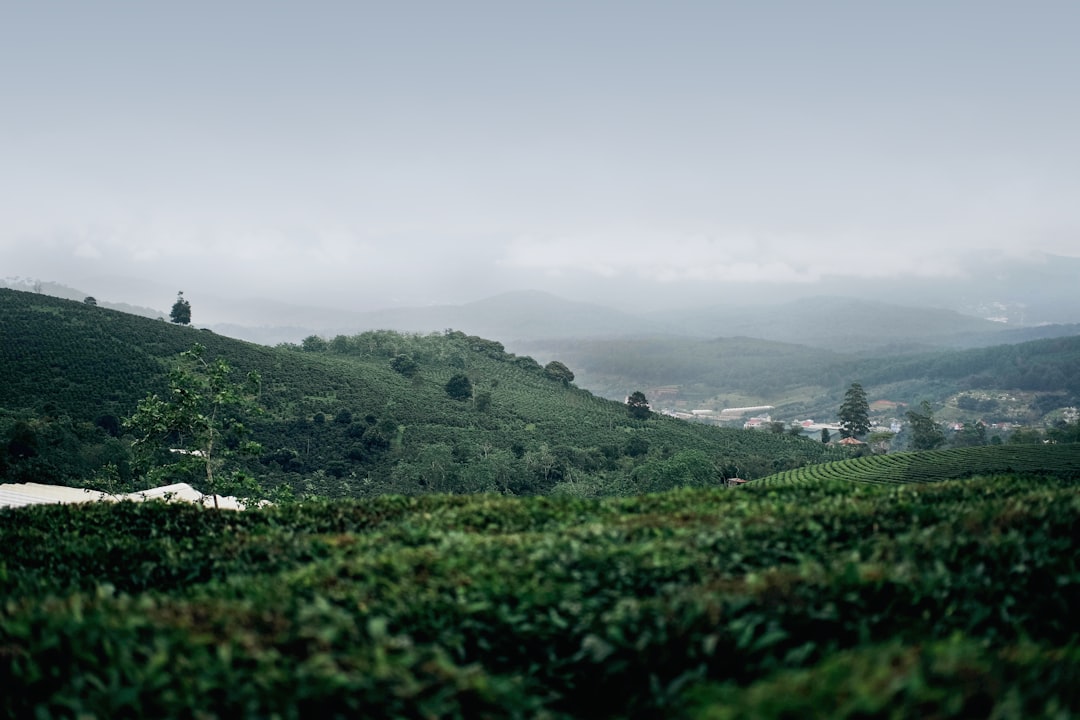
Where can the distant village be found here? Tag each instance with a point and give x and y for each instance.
(758, 417)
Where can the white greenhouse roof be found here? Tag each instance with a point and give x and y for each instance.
(21, 494)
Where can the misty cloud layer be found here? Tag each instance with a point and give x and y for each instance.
(368, 154)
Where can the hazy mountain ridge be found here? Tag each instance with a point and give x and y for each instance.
(841, 323)
(510, 317)
(833, 323)
(53, 289)
(847, 313)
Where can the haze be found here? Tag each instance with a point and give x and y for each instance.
(364, 155)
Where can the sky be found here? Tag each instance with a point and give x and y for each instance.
(370, 154)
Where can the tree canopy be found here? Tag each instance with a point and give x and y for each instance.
(926, 434)
(404, 364)
(313, 343)
(181, 310)
(459, 387)
(854, 412)
(638, 405)
(557, 371)
(202, 414)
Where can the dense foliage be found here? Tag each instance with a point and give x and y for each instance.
(926, 434)
(181, 310)
(351, 416)
(822, 599)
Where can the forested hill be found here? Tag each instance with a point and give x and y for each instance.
(353, 416)
(1046, 365)
(809, 382)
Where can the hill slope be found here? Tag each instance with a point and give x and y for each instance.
(340, 420)
(809, 382)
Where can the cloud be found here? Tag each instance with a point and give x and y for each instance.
(738, 257)
(88, 251)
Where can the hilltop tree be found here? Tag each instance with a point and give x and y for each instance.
(638, 405)
(181, 310)
(557, 371)
(90, 300)
(201, 411)
(339, 345)
(854, 412)
(313, 343)
(926, 434)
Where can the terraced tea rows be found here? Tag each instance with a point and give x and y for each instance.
(935, 465)
(842, 600)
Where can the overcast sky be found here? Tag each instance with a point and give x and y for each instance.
(365, 154)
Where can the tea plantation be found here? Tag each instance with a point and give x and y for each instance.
(907, 467)
(814, 599)
(355, 416)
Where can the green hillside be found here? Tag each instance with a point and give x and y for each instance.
(832, 599)
(804, 381)
(702, 369)
(1048, 365)
(934, 465)
(338, 420)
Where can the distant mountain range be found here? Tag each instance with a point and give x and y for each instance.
(509, 317)
(997, 302)
(835, 323)
(839, 323)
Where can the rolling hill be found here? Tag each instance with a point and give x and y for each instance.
(338, 420)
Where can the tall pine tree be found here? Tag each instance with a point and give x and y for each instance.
(855, 412)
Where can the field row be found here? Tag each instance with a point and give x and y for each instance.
(488, 606)
(934, 465)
